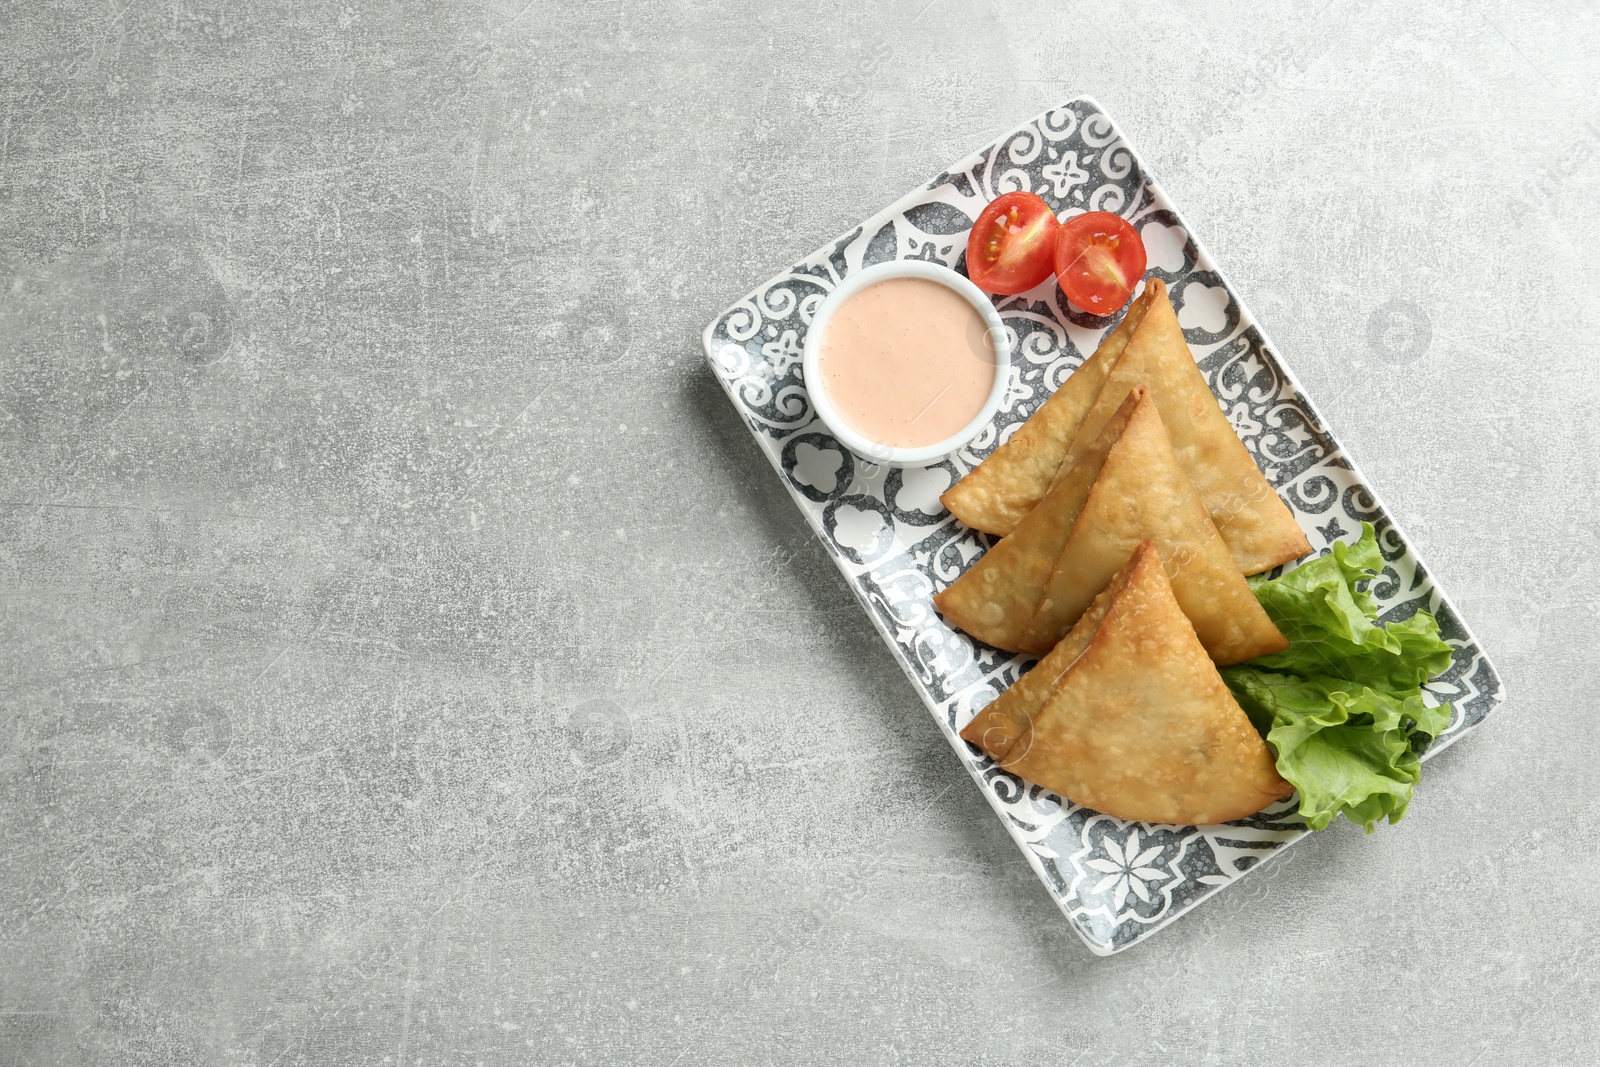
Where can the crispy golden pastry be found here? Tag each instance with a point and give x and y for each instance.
(1255, 524)
(995, 599)
(996, 727)
(1003, 488)
(1141, 726)
(1141, 492)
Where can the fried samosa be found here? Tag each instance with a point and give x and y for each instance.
(998, 492)
(1257, 527)
(996, 597)
(1141, 492)
(1141, 725)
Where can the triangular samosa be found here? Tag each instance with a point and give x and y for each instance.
(998, 725)
(1140, 493)
(1141, 726)
(1255, 524)
(998, 492)
(996, 597)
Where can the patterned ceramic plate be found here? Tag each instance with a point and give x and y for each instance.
(1117, 882)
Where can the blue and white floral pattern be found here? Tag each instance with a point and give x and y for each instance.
(1116, 882)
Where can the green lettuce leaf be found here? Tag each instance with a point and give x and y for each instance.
(1332, 625)
(1342, 706)
(1344, 747)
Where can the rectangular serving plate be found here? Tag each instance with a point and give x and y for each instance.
(1117, 882)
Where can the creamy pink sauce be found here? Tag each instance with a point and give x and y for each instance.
(907, 362)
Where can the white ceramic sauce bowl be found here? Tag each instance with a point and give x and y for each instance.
(865, 447)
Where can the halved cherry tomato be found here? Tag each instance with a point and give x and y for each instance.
(1013, 244)
(1099, 260)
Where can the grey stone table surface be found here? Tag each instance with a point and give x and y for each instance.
(408, 658)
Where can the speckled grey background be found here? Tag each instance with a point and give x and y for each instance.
(409, 659)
